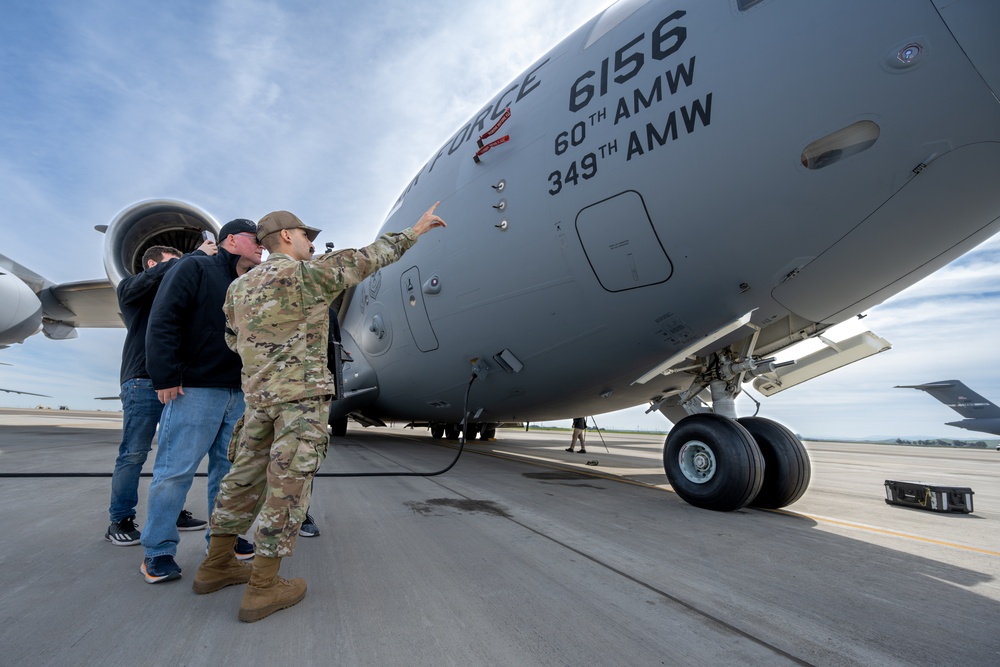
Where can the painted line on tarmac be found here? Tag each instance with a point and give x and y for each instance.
(885, 531)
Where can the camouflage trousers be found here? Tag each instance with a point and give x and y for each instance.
(278, 449)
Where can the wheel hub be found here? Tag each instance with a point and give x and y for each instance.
(697, 462)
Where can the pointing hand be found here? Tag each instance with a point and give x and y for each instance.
(428, 221)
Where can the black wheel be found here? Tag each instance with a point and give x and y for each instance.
(489, 431)
(472, 432)
(786, 463)
(713, 462)
(437, 431)
(452, 431)
(338, 426)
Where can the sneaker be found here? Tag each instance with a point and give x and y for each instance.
(308, 527)
(186, 521)
(160, 568)
(583, 451)
(569, 449)
(243, 549)
(123, 533)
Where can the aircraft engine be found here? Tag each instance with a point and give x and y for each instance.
(148, 223)
(20, 310)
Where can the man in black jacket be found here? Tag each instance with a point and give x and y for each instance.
(140, 405)
(197, 378)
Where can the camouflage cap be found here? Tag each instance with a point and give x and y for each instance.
(278, 220)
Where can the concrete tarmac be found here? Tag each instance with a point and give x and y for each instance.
(520, 555)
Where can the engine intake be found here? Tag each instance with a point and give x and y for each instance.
(149, 223)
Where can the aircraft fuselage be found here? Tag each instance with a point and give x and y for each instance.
(669, 170)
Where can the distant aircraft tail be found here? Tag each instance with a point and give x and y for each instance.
(959, 398)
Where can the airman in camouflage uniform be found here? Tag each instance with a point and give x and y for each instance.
(278, 322)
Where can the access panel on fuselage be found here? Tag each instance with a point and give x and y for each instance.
(416, 312)
(621, 245)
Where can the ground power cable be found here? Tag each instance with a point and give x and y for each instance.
(461, 448)
(408, 473)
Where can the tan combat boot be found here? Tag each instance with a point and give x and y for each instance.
(221, 568)
(267, 592)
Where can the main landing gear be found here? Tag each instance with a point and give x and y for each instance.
(719, 463)
(338, 426)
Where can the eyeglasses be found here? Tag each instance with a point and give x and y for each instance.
(249, 236)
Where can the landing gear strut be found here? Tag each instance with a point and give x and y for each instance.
(716, 461)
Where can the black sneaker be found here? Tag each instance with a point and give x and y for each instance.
(160, 568)
(583, 451)
(186, 521)
(123, 533)
(243, 549)
(308, 527)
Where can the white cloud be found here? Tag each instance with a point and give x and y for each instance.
(329, 109)
(240, 107)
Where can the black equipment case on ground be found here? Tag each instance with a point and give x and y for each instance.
(930, 497)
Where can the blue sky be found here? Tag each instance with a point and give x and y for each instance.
(328, 110)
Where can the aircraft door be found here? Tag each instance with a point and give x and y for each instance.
(413, 305)
(621, 245)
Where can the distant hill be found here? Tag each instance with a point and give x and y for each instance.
(919, 441)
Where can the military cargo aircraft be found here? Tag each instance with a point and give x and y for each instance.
(980, 414)
(648, 214)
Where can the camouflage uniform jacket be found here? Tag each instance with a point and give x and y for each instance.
(278, 317)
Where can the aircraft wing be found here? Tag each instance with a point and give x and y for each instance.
(36, 282)
(26, 393)
(87, 304)
(979, 425)
(30, 301)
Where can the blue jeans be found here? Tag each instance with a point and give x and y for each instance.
(142, 411)
(194, 425)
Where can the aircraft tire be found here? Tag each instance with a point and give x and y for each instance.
(452, 431)
(786, 463)
(713, 462)
(437, 431)
(338, 426)
(472, 432)
(489, 431)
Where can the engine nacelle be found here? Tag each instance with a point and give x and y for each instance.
(149, 223)
(20, 310)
